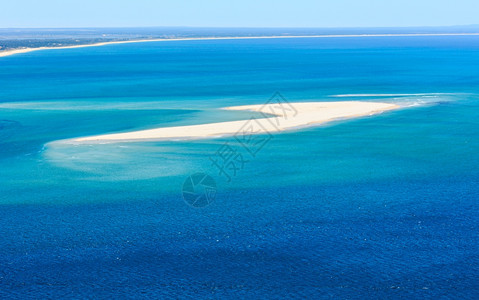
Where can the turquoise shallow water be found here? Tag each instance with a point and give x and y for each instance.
(382, 206)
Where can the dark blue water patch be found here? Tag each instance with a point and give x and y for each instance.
(9, 144)
(8, 127)
(394, 239)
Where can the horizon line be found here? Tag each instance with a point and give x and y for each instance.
(251, 27)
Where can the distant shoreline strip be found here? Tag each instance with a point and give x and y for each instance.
(26, 50)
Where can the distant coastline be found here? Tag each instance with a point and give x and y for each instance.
(27, 50)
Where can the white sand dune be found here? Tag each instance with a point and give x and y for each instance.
(277, 118)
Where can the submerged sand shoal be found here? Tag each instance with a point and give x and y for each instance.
(275, 118)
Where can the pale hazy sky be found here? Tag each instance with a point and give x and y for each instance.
(241, 13)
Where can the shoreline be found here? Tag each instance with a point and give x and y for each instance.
(27, 50)
(292, 117)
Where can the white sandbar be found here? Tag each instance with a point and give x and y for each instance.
(279, 118)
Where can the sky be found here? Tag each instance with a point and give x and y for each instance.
(237, 13)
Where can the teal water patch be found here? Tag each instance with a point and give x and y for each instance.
(83, 92)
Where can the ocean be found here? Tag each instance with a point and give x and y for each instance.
(378, 207)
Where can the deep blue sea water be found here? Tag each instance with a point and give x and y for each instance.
(382, 207)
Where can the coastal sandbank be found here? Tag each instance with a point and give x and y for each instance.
(273, 118)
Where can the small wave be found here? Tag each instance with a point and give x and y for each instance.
(409, 100)
(391, 95)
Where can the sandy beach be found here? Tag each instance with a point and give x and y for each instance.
(277, 118)
(26, 50)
